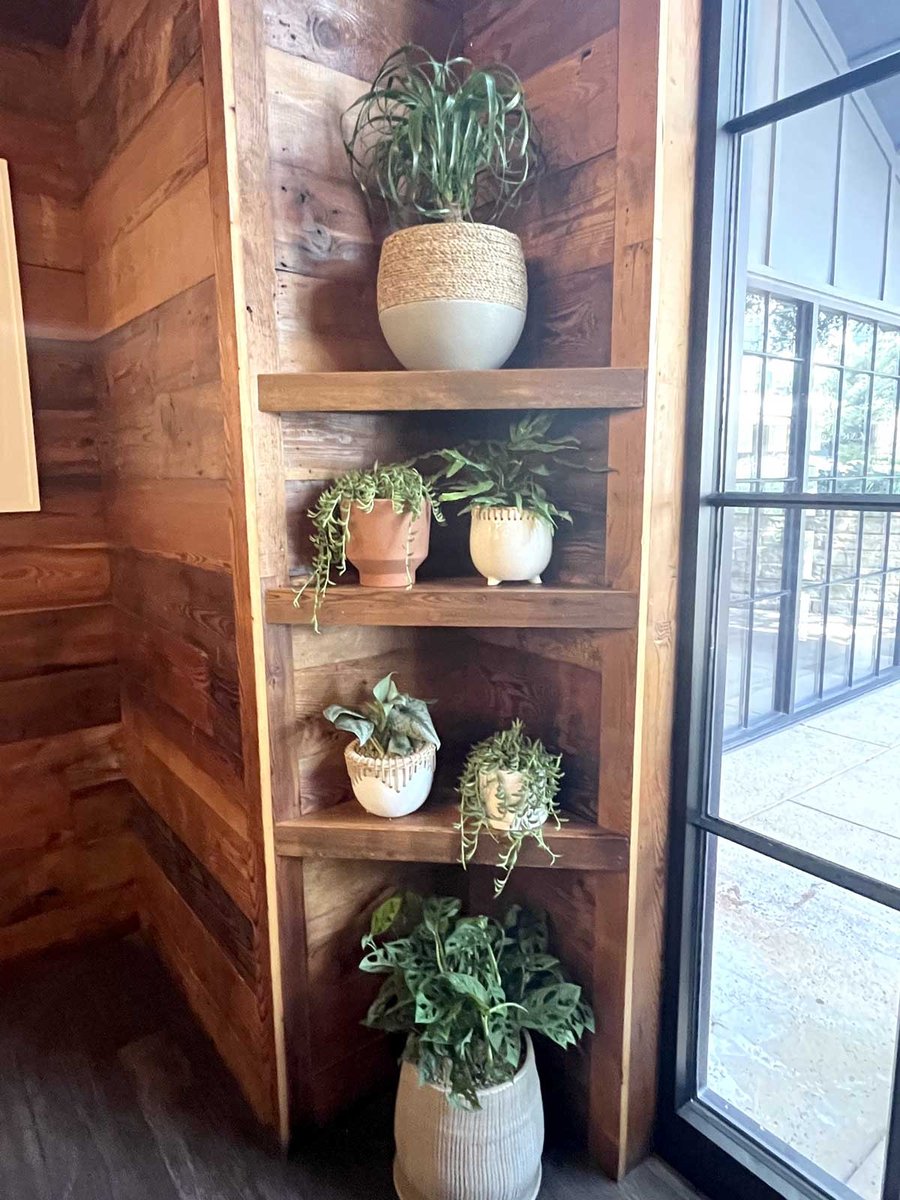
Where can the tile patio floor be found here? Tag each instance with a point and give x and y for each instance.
(805, 977)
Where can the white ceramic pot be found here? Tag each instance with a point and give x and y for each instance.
(447, 1153)
(452, 296)
(394, 786)
(509, 544)
(496, 789)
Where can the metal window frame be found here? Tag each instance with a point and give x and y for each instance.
(720, 1155)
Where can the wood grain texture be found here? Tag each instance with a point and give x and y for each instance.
(462, 602)
(223, 1001)
(397, 391)
(583, 83)
(142, 63)
(39, 578)
(49, 231)
(42, 642)
(41, 21)
(54, 303)
(199, 889)
(429, 835)
(529, 35)
(356, 38)
(169, 149)
(65, 859)
(169, 252)
(183, 519)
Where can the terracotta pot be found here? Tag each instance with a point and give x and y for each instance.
(380, 541)
(448, 1153)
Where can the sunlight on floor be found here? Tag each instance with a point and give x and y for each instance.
(805, 976)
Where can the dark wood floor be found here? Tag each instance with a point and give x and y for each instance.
(109, 1091)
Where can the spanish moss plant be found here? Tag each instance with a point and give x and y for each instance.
(530, 806)
(509, 473)
(391, 723)
(437, 139)
(403, 485)
(464, 989)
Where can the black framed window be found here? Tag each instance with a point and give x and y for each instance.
(779, 1060)
(813, 607)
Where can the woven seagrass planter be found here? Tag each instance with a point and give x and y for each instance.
(452, 296)
(448, 1153)
(509, 544)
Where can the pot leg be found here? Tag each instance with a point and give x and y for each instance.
(492, 582)
(535, 579)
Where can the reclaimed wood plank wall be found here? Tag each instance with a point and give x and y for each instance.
(65, 855)
(170, 491)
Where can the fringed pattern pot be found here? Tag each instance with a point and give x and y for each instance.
(509, 544)
(448, 1153)
(452, 296)
(392, 786)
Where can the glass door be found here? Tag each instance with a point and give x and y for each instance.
(783, 979)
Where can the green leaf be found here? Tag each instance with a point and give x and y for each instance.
(385, 915)
(350, 722)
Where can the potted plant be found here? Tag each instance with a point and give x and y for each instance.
(438, 142)
(380, 520)
(502, 484)
(391, 759)
(508, 788)
(467, 992)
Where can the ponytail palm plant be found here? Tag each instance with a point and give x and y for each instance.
(438, 139)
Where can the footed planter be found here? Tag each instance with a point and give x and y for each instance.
(450, 1153)
(509, 544)
(392, 786)
(387, 547)
(452, 295)
(496, 789)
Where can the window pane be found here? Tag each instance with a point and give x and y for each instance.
(781, 337)
(854, 34)
(859, 344)
(887, 350)
(755, 541)
(804, 986)
(829, 337)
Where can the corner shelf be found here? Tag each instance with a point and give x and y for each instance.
(406, 391)
(347, 831)
(464, 603)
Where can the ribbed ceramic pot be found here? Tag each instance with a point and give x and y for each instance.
(497, 791)
(448, 1153)
(509, 544)
(379, 541)
(393, 786)
(452, 296)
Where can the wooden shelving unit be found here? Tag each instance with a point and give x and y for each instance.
(347, 831)
(406, 391)
(462, 603)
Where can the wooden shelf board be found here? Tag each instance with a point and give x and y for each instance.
(402, 391)
(347, 831)
(465, 603)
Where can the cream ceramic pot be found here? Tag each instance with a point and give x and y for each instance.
(497, 790)
(452, 295)
(509, 544)
(448, 1153)
(394, 786)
